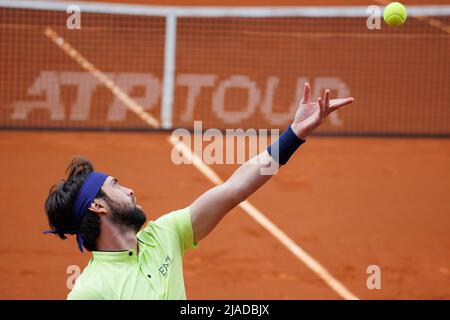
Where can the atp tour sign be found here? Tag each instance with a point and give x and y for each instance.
(76, 98)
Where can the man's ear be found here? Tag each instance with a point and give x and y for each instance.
(98, 206)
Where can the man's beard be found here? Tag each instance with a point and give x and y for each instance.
(127, 217)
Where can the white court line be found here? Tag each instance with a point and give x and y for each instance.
(301, 254)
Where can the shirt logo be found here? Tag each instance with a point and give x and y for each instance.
(164, 269)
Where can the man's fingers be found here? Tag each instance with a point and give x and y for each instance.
(306, 93)
(321, 106)
(339, 103)
(327, 101)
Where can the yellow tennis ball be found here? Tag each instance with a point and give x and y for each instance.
(395, 14)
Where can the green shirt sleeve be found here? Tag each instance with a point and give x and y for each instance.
(180, 223)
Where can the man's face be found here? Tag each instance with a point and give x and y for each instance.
(119, 194)
(121, 203)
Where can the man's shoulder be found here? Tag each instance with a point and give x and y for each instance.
(166, 221)
(174, 227)
(172, 217)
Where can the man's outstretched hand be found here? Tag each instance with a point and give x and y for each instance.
(311, 114)
(209, 209)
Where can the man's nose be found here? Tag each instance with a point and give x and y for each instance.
(130, 192)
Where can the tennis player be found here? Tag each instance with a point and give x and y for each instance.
(130, 263)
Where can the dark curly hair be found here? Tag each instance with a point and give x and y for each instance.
(61, 199)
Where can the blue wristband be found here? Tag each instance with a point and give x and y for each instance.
(285, 146)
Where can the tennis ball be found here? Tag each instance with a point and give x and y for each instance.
(395, 14)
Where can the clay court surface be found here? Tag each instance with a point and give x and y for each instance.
(349, 202)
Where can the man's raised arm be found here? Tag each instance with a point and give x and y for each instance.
(211, 207)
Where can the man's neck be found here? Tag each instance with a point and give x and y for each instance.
(115, 238)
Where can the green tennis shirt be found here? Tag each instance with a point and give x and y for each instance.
(154, 272)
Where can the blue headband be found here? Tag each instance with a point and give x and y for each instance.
(88, 191)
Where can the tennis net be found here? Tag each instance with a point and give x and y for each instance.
(228, 67)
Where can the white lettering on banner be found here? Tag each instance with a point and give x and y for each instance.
(86, 85)
(127, 82)
(218, 100)
(332, 83)
(267, 104)
(46, 85)
(194, 84)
